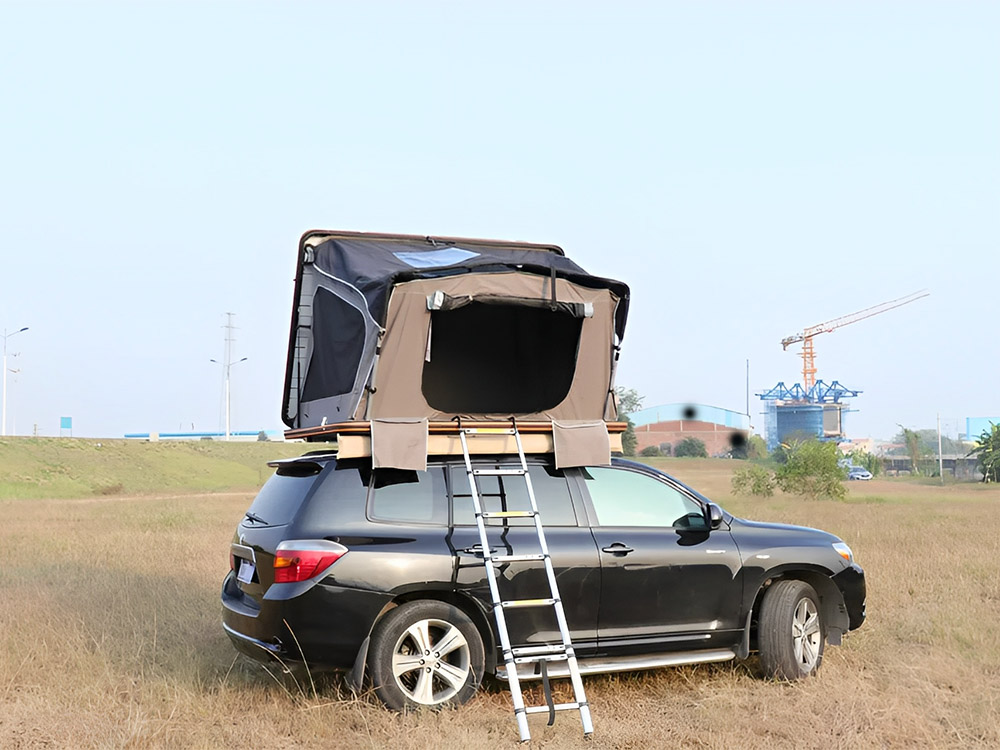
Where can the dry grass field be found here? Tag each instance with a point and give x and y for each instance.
(110, 638)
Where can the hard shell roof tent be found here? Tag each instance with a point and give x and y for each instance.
(433, 328)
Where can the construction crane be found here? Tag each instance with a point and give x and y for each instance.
(807, 335)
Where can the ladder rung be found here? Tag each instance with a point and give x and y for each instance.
(499, 472)
(515, 558)
(551, 648)
(557, 707)
(508, 514)
(514, 603)
(488, 431)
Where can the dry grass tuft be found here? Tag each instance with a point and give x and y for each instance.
(110, 637)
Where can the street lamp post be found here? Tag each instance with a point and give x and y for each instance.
(3, 428)
(227, 366)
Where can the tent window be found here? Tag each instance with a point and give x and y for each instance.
(500, 359)
(338, 341)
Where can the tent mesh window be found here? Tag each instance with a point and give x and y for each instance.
(500, 359)
(337, 347)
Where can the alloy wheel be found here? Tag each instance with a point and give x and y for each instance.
(806, 634)
(431, 661)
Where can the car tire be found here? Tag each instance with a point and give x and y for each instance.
(425, 654)
(791, 632)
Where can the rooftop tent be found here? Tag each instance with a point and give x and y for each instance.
(389, 326)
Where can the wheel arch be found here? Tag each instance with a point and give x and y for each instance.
(469, 605)
(836, 620)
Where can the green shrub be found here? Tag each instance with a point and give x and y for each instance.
(690, 448)
(651, 451)
(753, 480)
(811, 470)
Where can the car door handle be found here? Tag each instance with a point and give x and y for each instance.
(617, 549)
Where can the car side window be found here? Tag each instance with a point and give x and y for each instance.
(555, 505)
(408, 496)
(627, 498)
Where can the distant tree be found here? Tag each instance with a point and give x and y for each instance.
(629, 401)
(987, 453)
(748, 447)
(262, 437)
(914, 447)
(812, 470)
(690, 447)
(756, 448)
(928, 442)
(651, 451)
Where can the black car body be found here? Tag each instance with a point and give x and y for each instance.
(650, 572)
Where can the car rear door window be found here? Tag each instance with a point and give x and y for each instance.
(401, 495)
(555, 505)
(627, 498)
(343, 487)
(279, 499)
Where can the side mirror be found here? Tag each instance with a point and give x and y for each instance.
(713, 516)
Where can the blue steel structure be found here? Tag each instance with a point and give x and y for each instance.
(796, 411)
(820, 393)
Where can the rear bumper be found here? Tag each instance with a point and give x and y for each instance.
(253, 647)
(324, 626)
(851, 582)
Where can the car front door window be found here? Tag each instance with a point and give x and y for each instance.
(626, 498)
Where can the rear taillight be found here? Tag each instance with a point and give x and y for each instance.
(302, 560)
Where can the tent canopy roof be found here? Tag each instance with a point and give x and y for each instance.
(374, 263)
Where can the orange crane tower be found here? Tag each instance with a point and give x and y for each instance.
(806, 336)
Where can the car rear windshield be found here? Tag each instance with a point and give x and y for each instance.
(279, 499)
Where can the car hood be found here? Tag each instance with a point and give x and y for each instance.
(803, 532)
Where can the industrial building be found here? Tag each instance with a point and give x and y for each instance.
(669, 424)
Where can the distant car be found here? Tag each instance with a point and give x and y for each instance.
(856, 472)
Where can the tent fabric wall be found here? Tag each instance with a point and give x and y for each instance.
(398, 390)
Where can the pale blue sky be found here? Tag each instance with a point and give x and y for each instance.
(748, 168)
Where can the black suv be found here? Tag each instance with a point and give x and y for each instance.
(380, 572)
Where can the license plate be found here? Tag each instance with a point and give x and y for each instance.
(246, 572)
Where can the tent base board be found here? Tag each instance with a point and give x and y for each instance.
(354, 438)
(360, 446)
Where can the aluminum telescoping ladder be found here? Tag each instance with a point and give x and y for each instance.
(529, 654)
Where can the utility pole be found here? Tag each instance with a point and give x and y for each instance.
(227, 365)
(940, 458)
(3, 427)
(748, 391)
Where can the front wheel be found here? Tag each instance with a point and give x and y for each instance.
(790, 631)
(426, 653)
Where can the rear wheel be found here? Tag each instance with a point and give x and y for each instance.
(426, 653)
(790, 632)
